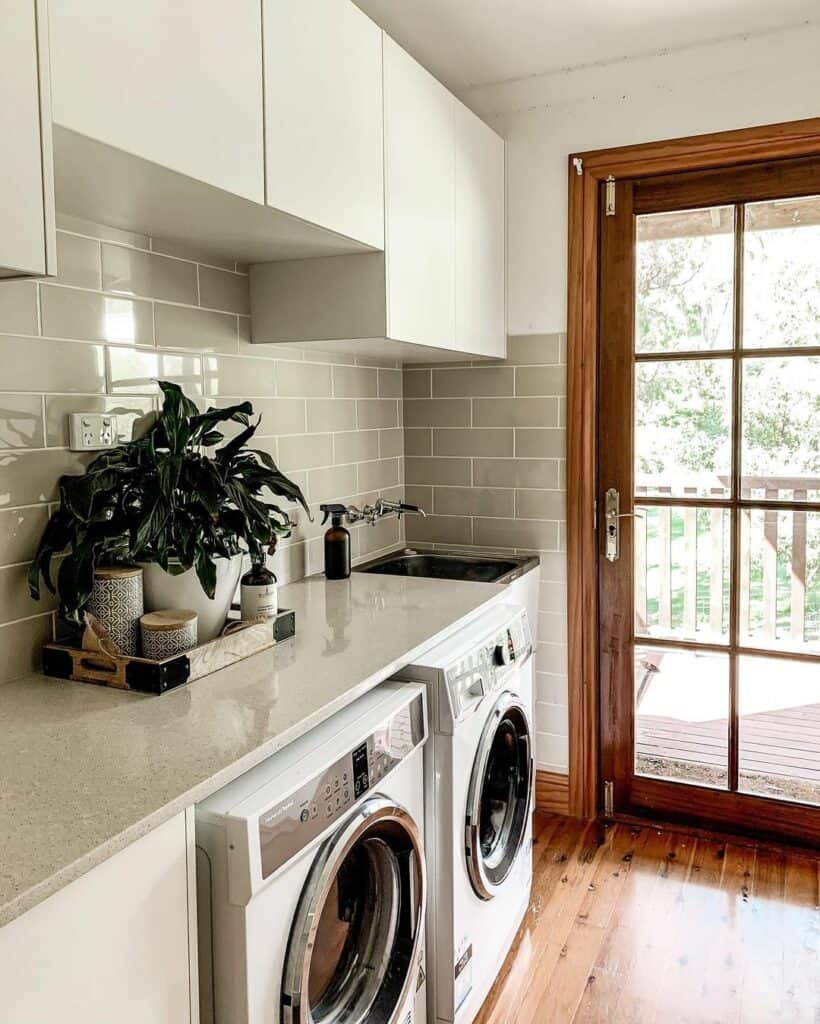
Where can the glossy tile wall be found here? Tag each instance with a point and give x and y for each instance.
(485, 450)
(127, 309)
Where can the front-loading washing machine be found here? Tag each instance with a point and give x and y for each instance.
(479, 776)
(311, 875)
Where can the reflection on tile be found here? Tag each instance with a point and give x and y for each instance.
(32, 365)
(20, 646)
(238, 376)
(136, 371)
(200, 329)
(220, 289)
(134, 415)
(78, 261)
(15, 601)
(21, 421)
(89, 316)
(28, 478)
(143, 273)
(18, 307)
(20, 532)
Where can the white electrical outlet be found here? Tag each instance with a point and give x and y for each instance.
(91, 431)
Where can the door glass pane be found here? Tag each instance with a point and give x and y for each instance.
(682, 716)
(780, 580)
(781, 429)
(681, 581)
(780, 729)
(781, 264)
(684, 267)
(683, 436)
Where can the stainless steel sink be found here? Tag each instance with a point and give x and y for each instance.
(437, 565)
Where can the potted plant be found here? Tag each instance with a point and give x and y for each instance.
(162, 501)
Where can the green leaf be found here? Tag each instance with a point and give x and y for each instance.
(280, 484)
(206, 571)
(75, 581)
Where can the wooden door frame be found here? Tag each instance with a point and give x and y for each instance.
(586, 173)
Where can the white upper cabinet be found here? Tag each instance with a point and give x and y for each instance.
(480, 237)
(27, 236)
(175, 82)
(419, 209)
(323, 115)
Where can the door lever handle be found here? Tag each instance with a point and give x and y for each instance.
(613, 529)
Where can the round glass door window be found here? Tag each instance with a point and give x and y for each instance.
(355, 943)
(500, 793)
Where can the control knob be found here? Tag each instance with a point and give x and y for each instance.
(503, 654)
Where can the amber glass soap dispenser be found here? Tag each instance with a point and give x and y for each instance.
(337, 543)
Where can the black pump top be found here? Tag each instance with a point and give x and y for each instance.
(337, 512)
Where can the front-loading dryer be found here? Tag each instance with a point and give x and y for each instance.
(479, 778)
(311, 875)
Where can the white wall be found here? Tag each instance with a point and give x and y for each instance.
(747, 81)
(734, 84)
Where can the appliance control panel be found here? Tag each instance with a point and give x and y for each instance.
(291, 824)
(485, 669)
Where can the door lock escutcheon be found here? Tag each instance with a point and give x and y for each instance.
(612, 518)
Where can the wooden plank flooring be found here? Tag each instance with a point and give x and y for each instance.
(650, 926)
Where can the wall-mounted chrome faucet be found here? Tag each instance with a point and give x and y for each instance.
(372, 513)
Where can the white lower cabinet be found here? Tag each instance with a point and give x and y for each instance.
(116, 945)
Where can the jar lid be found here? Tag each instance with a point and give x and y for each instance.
(114, 572)
(168, 618)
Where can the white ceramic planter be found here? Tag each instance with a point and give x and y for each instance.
(164, 590)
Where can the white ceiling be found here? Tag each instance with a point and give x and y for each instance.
(476, 42)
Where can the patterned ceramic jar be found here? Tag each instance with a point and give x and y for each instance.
(167, 633)
(116, 600)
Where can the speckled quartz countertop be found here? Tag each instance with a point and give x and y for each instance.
(85, 770)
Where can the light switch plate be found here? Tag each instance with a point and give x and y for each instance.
(92, 431)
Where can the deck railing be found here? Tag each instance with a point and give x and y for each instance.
(689, 593)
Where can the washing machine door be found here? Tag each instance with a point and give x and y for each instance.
(500, 795)
(357, 936)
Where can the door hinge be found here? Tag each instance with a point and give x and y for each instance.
(610, 197)
(594, 513)
(578, 164)
(609, 799)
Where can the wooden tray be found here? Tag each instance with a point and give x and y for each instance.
(126, 673)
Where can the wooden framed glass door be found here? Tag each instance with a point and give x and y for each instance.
(709, 502)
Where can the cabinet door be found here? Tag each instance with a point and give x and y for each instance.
(177, 83)
(480, 237)
(323, 115)
(420, 206)
(27, 239)
(111, 946)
